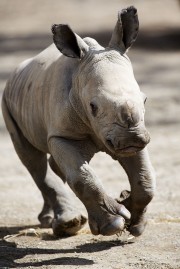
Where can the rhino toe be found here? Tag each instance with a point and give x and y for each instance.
(114, 227)
(67, 224)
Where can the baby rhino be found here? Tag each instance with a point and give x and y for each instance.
(72, 100)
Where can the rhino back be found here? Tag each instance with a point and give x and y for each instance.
(37, 96)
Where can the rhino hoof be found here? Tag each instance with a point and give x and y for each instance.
(114, 227)
(67, 225)
(138, 229)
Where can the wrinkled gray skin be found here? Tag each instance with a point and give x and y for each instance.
(71, 101)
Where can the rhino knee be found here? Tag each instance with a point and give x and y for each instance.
(148, 196)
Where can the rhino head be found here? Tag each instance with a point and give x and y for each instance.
(105, 93)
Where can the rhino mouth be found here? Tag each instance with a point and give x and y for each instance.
(129, 150)
(125, 151)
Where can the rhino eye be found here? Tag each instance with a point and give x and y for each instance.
(144, 97)
(94, 109)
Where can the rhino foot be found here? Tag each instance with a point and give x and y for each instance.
(109, 218)
(68, 223)
(138, 220)
(137, 228)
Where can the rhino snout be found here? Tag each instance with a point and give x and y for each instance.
(127, 145)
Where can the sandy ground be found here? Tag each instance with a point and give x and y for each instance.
(24, 31)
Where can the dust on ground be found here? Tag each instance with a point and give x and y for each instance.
(24, 31)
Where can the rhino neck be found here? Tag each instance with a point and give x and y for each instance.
(78, 107)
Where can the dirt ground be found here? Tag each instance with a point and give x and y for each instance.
(24, 31)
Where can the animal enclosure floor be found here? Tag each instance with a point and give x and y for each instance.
(28, 246)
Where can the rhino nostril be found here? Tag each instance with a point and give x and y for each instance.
(109, 142)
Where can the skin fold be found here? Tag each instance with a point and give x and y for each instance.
(71, 101)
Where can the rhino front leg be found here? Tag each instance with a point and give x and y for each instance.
(106, 216)
(142, 180)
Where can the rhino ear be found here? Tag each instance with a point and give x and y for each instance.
(126, 29)
(70, 44)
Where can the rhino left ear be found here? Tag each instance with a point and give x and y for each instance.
(69, 44)
(126, 29)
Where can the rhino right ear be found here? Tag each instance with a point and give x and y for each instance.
(69, 44)
(126, 30)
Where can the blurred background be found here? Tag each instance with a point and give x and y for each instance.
(25, 30)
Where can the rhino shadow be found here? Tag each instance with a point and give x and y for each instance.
(10, 252)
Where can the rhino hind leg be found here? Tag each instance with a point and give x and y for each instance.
(58, 210)
(56, 169)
